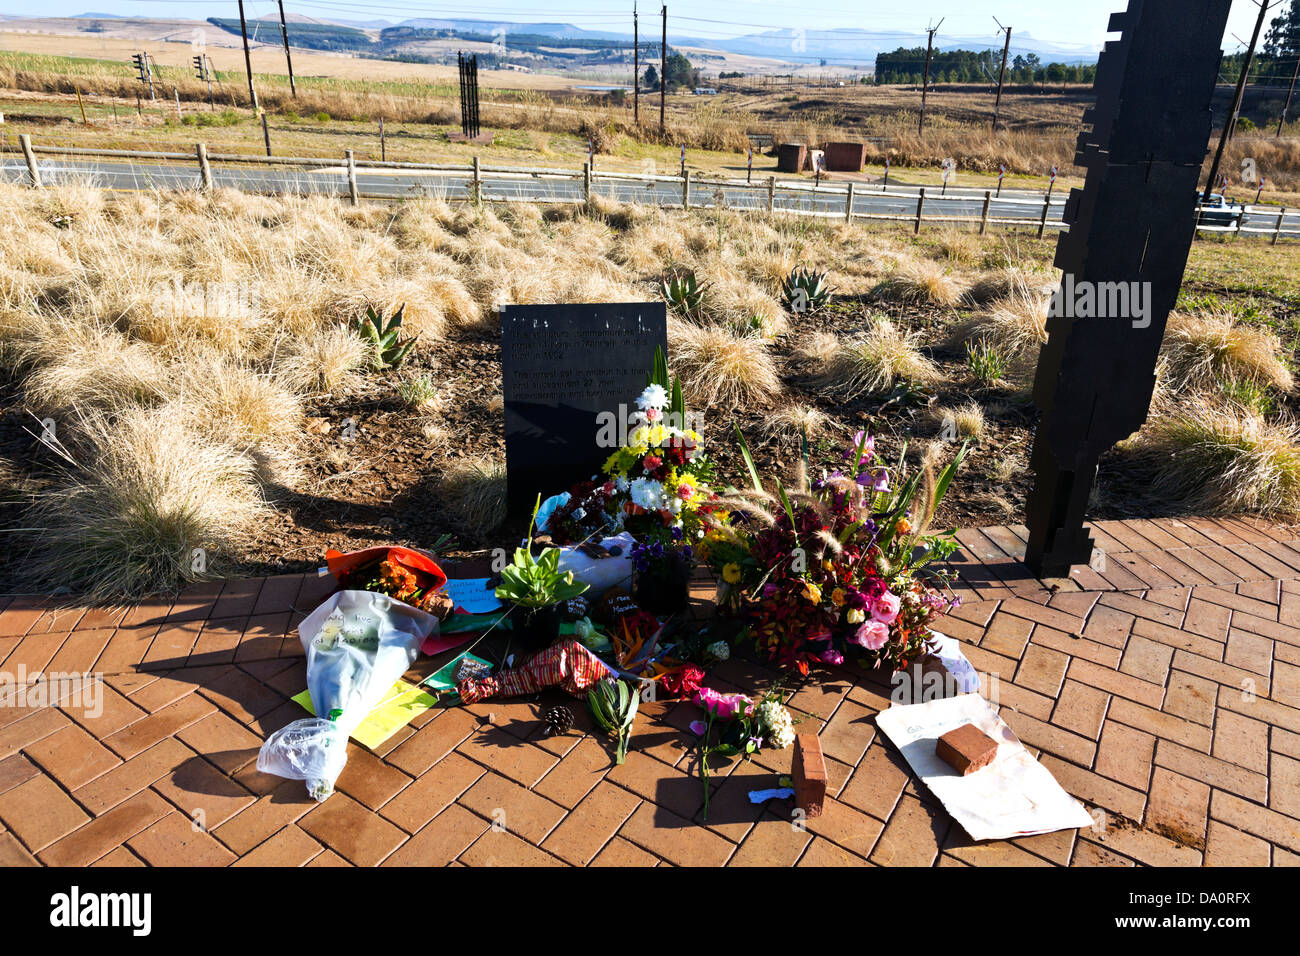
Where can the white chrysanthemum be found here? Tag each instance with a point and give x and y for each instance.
(647, 493)
(654, 396)
(776, 721)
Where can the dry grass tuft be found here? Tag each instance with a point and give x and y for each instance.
(796, 420)
(127, 521)
(1221, 460)
(1015, 327)
(719, 367)
(1202, 350)
(925, 282)
(962, 421)
(475, 489)
(874, 362)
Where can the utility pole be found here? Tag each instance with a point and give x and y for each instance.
(1290, 93)
(925, 80)
(1236, 102)
(1006, 48)
(663, 67)
(284, 33)
(248, 58)
(636, 70)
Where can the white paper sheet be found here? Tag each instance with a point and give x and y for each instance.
(1013, 796)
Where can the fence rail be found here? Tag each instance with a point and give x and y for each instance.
(373, 179)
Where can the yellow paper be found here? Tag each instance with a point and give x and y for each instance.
(403, 702)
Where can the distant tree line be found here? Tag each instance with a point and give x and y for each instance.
(969, 66)
(308, 36)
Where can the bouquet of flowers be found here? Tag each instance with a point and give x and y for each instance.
(655, 485)
(746, 727)
(837, 566)
(410, 576)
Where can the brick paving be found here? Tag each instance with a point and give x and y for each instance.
(1161, 686)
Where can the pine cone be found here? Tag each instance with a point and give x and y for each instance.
(557, 720)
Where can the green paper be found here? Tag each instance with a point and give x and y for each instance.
(444, 678)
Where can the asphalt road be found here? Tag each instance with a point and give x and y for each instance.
(391, 183)
(400, 184)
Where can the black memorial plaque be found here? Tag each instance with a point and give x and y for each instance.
(561, 366)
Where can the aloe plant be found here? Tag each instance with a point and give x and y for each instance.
(383, 336)
(805, 290)
(684, 293)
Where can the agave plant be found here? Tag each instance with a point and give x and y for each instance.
(383, 336)
(805, 290)
(684, 293)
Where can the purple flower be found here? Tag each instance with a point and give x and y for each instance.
(698, 727)
(832, 656)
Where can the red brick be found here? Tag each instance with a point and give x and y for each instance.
(1121, 685)
(877, 783)
(503, 848)
(369, 780)
(134, 775)
(619, 852)
(808, 772)
(147, 731)
(582, 768)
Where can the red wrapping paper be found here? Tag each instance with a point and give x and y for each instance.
(427, 572)
(567, 665)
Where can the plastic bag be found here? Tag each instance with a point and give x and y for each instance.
(601, 574)
(358, 645)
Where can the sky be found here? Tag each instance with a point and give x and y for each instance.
(1077, 23)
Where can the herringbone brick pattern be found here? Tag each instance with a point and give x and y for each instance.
(1161, 687)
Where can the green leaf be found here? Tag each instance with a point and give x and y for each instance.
(748, 459)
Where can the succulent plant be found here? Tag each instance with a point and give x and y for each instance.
(684, 293)
(384, 337)
(805, 290)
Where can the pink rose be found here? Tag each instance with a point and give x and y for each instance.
(873, 635)
(653, 414)
(723, 706)
(885, 609)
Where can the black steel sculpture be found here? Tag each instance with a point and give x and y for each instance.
(468, 95)
(1130, 230)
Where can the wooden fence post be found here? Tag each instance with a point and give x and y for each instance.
(586, 182)
(353, 194)
(920, 204)
(771, 194)
(476, 187)
(26, 142)
(686, 190)
(205, 171)
(1277, 230)
(1042, 222)
(984, 216)
(848, 204)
